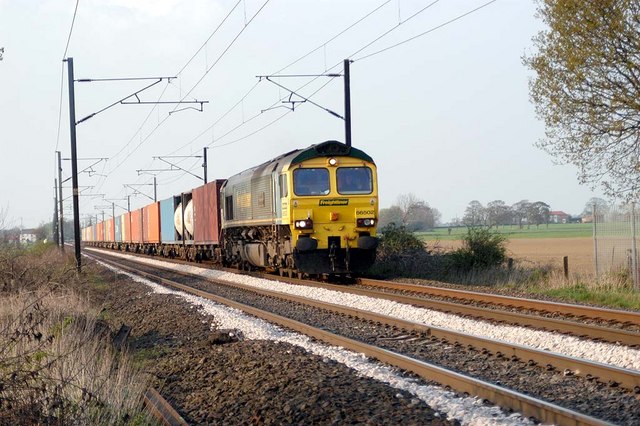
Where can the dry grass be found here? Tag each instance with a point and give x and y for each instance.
(57, 364)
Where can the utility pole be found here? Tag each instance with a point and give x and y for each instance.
(155, 190)
(204, 163)
(74, 165)
(347, 96)
(347, 103)
(54, 228)
(60, 199)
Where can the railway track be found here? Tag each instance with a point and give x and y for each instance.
(590, 331)
(530, 406)
(379, 289)
(578, 311)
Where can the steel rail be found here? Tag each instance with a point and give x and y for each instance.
(592, 312)
(551, 324)
(606, 373)
(161, 409)
(528, 406)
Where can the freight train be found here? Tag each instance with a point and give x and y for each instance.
(311, 211)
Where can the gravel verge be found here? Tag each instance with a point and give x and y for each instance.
(267, 382)
(604, 401)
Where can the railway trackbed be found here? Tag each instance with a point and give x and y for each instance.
(433, 336)
(580, 329)
(580, 312)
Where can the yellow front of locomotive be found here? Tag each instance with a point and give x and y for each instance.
(332, 210)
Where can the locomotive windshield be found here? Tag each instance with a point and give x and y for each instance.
(354, 180)
(311, 181)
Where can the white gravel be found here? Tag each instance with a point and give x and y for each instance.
(469, 411)
(606, 353)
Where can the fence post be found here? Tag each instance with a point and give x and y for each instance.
(565, 264)
(634, 250)
(595, 238)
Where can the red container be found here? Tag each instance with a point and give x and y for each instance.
(126, 227)
(151, 223)
(206, 213)
(109, 230)
(136, 226)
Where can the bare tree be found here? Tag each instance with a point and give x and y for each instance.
(415, 214)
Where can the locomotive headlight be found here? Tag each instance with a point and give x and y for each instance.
(303, 224)
(368, 222)
(333, 162)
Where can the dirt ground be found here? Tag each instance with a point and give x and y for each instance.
(547, 251)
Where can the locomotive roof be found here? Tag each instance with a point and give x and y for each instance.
(324, 149)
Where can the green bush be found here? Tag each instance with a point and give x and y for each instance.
(480, 249)
(402, 254)
(398, 241)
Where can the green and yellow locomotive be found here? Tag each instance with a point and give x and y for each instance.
(311, 211)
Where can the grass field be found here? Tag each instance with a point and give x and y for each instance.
(553, 230)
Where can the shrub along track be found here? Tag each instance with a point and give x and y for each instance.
(426, 343)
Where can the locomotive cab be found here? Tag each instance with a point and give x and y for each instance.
(312, 211)
(334, 211)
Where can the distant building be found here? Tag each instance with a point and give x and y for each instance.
(587, 218)
(28, 236)
(558, 217)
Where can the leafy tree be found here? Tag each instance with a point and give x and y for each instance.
(520, 211)
(587, 87)
(498, 213)
(538, 213)
(474, 214)
(602, 206)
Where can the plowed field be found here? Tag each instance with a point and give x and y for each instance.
(547, 250)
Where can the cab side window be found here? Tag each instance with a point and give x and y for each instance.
(284, 189)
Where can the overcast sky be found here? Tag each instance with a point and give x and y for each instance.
(446, 116)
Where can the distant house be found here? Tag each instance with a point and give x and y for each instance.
(28, 236)
(558, 217)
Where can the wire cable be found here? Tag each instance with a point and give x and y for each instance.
(437, 27)
(64, 55)
(209, 38)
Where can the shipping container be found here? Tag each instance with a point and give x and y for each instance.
(206, 213)
(126, 227)
(94, 233)
(118, 228)
(151, 223)
(109, 230)
(167, 226)
(100, 231)
(136, 226)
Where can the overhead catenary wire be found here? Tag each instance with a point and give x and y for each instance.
(64, 55)
(430, 30)
(224, 52)
(329, 69)
(358, 21)
(193, 87)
